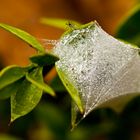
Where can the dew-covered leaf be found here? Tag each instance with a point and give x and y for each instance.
(129, 27)
(11, 74)
(9, 90)
(31, 77)
(99, 67)
(70, 87)
(31, 40)
(44, 59)
(26, 98)
(59, 23)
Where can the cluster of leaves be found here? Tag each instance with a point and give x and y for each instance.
(25, 85)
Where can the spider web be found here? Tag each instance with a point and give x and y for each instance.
(100, 66)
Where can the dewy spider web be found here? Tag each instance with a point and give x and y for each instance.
(100, 66)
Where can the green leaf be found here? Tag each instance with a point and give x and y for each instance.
(74, 112)
(9, 90)
(71, 89)
(31, 40)
(38, 82)
(129, 27)
(25, 99)
(44, 59)
(11, 74)
(60, 23)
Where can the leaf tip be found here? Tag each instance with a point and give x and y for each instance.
(14, 116)
(12, 120)
(53, 94)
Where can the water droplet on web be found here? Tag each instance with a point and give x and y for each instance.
(100, 66)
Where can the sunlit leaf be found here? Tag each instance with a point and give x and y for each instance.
(44, 59)
(11, 74)
(31, 40)
(71, 88)
(31, 77)
(60, 23)
(97, 68)
(129, 27)
(7, 91)
(25, 99)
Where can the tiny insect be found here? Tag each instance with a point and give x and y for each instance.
(71, 25)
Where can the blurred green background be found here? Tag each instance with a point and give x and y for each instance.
(50, 120)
